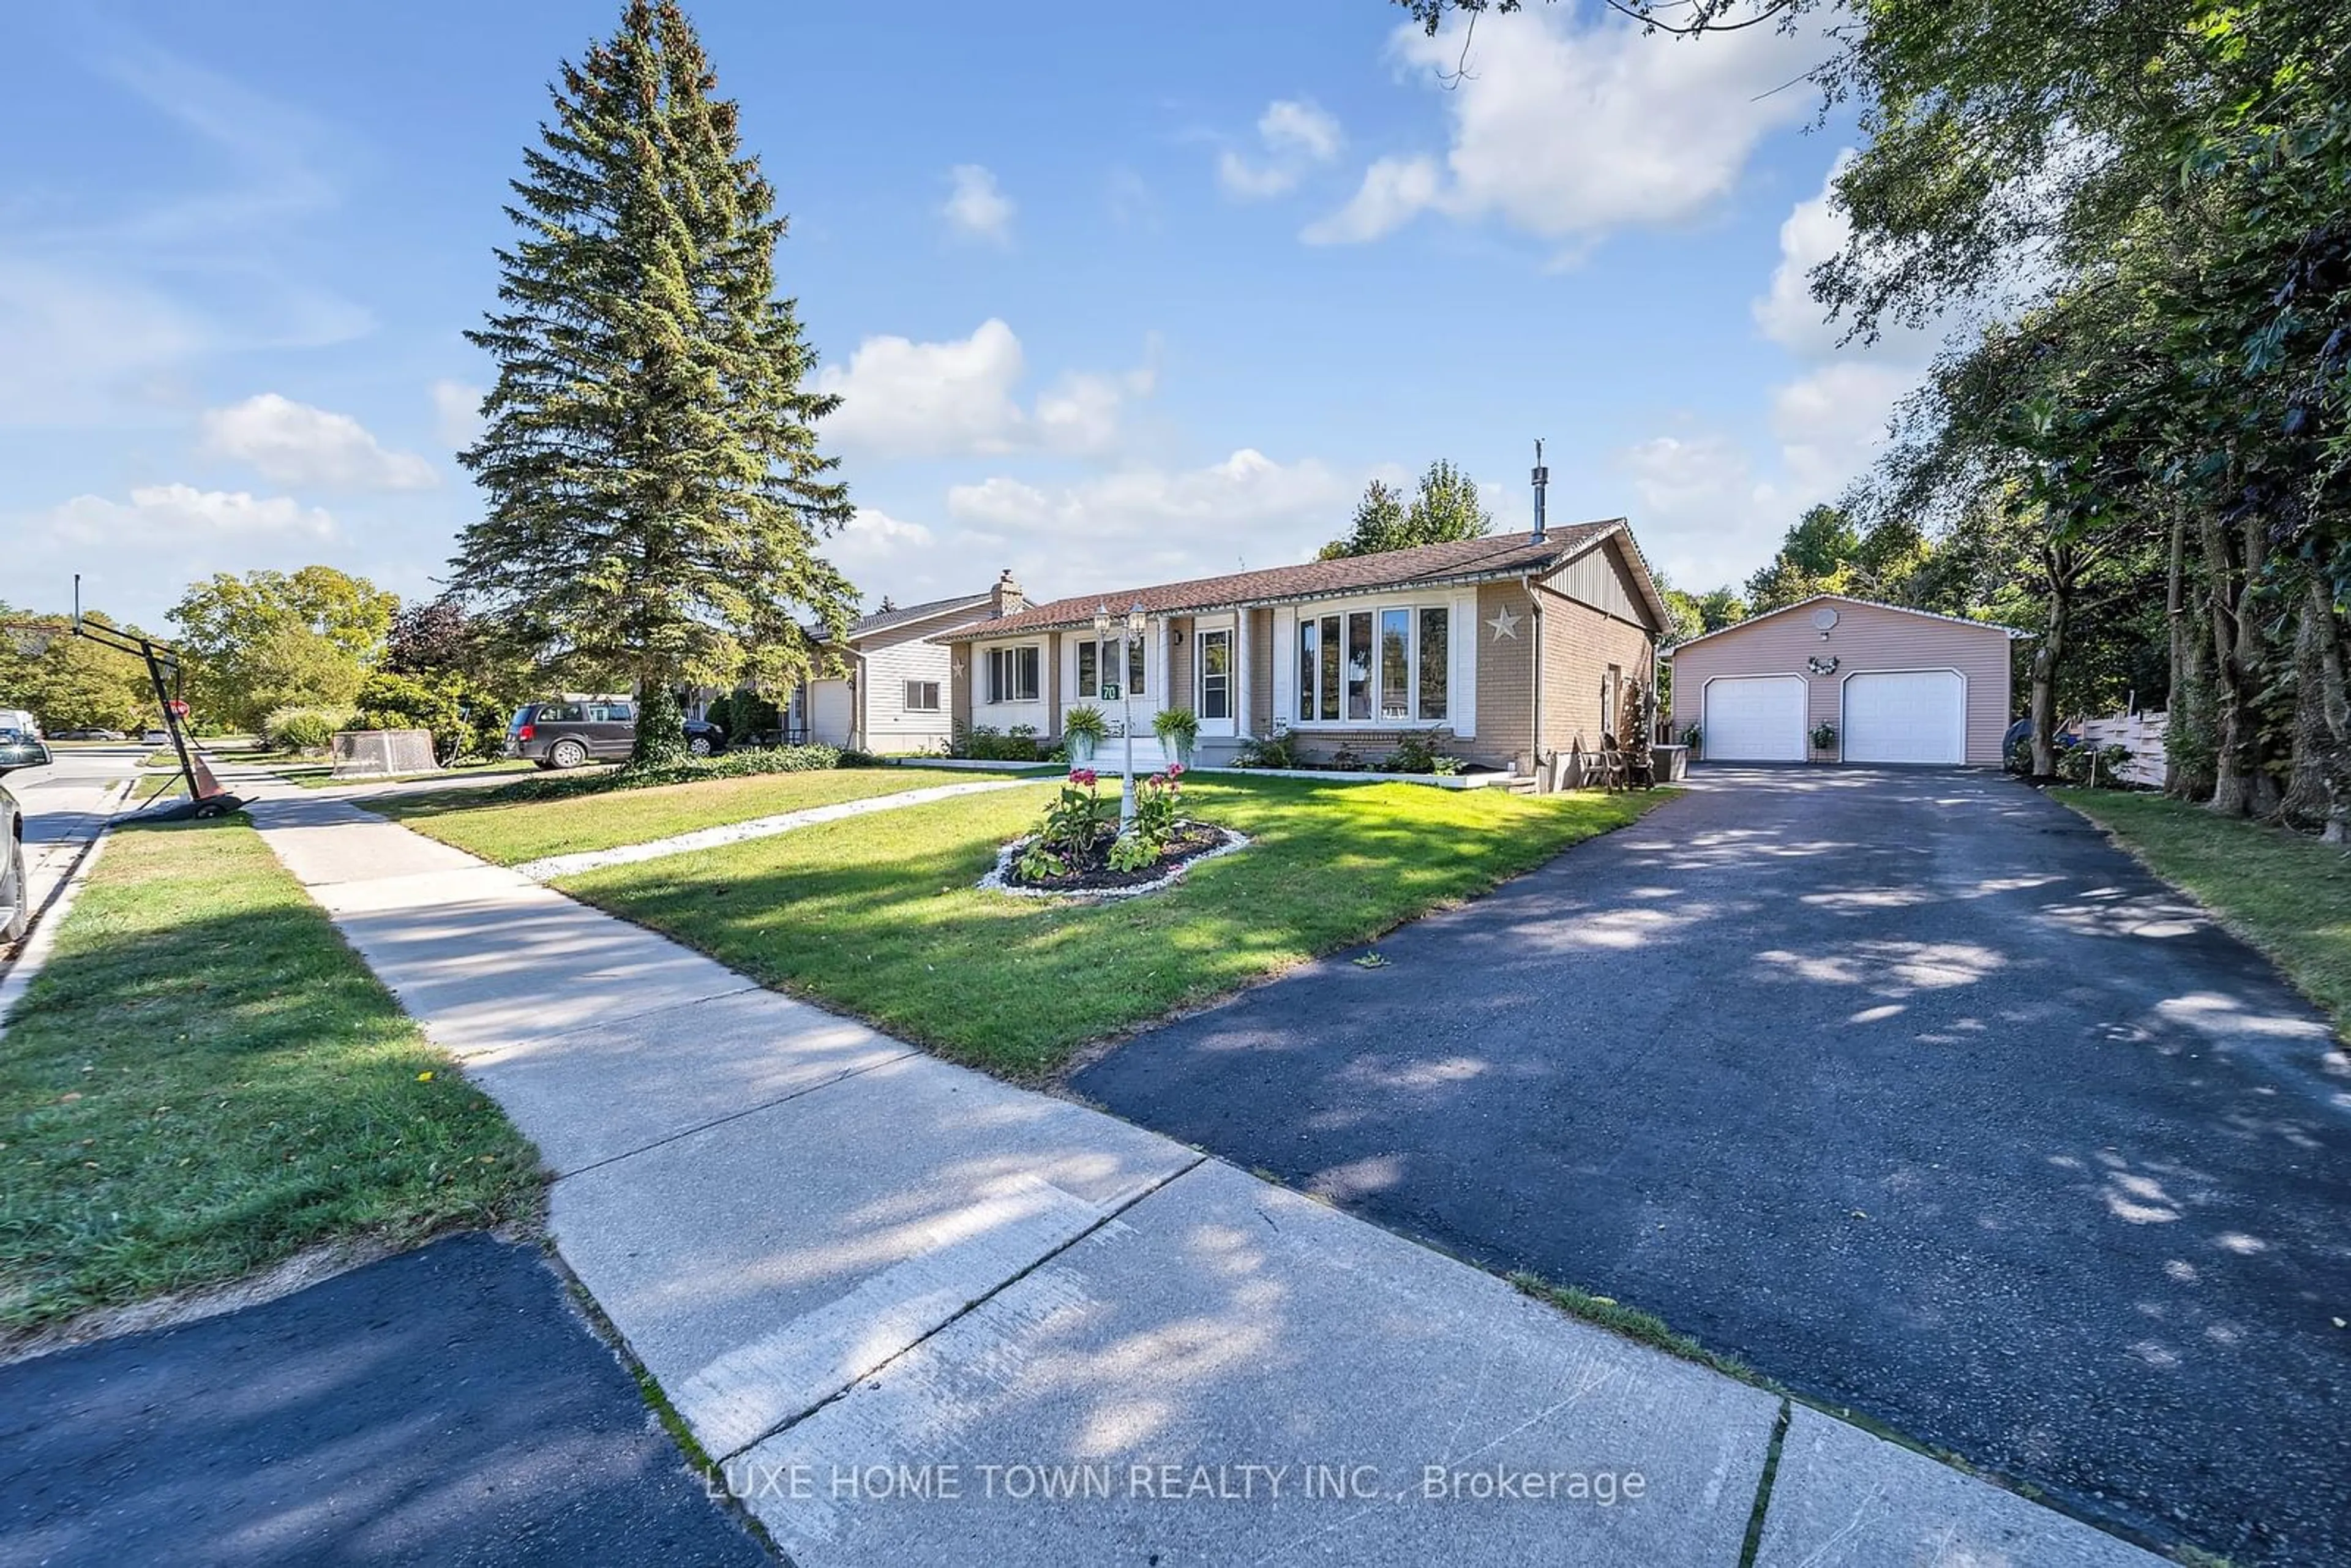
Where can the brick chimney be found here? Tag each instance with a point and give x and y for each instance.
(1006, 598)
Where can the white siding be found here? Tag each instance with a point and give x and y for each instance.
(889, 726)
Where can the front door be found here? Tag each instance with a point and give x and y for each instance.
(1217, 700)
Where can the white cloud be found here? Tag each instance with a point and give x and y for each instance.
(294, 443)
(902, 398)
(977, 208)
(1700, 511)
(1832, 421)
(79, 341)
(457, 413)
(1392, 190)
(1568, 130)
(182, 515)
(1297, 134)
(1145, 524)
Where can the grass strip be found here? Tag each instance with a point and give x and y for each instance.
(2285, 892)
(205, 1080)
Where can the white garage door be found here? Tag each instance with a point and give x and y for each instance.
(1919, 715)
(1754, 718)
(828, 712)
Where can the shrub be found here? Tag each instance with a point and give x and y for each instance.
(1086, 719)
(745, 764)
(435, 703)
(750, 713)
(1824, 736)
(302, 728)
(984, 742)
(661, 727)
(1279, 749)
(720, 711)
(1418, 753)
(2101, 765)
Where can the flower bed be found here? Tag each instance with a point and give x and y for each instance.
(1082, 848)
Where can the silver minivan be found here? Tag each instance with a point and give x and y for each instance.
(16, 750)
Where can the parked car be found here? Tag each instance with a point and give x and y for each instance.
(88, 734)
(15, 724)
(16, 894)
(567, 732)
(704, 739)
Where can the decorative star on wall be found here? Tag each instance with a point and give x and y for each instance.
(1505, 624)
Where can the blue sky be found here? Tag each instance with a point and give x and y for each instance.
(1116, 294)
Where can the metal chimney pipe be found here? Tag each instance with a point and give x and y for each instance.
(1542, 479)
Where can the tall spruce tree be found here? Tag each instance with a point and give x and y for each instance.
(656, 494)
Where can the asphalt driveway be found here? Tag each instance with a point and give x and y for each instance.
(1907, 1088)
(447, 1405)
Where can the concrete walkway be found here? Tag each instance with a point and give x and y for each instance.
(549, 868)
(923, 1317)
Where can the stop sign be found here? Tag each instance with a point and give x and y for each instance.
(179, 709)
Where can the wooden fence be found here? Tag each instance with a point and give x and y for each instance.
(2140, 733)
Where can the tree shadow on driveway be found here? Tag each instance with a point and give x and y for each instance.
(1908, 1089)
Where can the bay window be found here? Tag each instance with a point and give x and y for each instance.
(1389, 666)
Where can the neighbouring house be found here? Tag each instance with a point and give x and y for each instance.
(1511, 649)
(890, 695)
(1893, 685)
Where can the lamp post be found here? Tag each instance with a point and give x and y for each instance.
(1130, 630)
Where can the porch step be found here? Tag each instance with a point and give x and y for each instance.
(1110, 757)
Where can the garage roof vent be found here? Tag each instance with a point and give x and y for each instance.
(1825, 618)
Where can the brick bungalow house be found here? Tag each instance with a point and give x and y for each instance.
(1514, 647)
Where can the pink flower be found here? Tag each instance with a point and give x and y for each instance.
(1085, 775)
(1174, 770)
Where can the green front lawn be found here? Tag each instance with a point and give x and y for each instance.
(2287, 893)
(204, 1079)
(509, 832)
(878, 914)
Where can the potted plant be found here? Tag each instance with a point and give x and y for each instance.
(1178, 729)
(1824, 736)
(1692, 735)
(1084, 728)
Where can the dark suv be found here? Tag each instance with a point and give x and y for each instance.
(569, 731)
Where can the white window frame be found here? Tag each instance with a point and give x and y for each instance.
(1004, 676)
(1458, 671)
(915, 689)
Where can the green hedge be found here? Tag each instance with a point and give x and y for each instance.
(745, 764)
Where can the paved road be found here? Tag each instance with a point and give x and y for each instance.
(443, 1406)
(64, 803)
(1907, 1088)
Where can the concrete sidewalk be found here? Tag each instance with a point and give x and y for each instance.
(923, 1317)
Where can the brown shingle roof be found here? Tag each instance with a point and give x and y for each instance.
(1457, 561)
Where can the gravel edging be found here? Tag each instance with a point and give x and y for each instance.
(999, 880)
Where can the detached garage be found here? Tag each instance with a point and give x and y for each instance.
(1898, 685)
